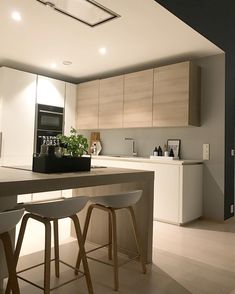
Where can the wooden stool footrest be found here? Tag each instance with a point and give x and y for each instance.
(62, 284)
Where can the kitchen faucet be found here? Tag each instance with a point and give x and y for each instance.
(134, 153)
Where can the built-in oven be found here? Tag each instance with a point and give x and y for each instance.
(49, 123)
(50, 118)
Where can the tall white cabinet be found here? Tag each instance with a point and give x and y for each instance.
(50, 91)
(17, 99)
(70, 107)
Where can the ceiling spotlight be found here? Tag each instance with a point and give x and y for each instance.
(53, 65)
(67, 62)
(103, 51)
(16, 16)
(49, 4)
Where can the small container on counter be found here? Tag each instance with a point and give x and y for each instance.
(155, 151)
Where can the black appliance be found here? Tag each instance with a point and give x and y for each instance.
(49, 123)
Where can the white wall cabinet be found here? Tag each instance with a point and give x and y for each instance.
(177, 186)
(18, 94)
(70, 107)
(50, 91)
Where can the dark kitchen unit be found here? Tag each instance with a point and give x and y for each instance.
(49, 123)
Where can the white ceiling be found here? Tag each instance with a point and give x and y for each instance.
(146, 34)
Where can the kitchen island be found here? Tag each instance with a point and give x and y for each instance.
(14, 181)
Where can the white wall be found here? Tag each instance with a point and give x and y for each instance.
(192, 138)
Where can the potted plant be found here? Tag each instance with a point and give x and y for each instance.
(73, 160)
(76, 145)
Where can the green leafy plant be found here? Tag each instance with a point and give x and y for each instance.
(76, 144)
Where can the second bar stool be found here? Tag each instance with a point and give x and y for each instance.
(8, 221)
(111, 203)
(47, 212)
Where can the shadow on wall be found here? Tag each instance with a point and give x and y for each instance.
(213, 200)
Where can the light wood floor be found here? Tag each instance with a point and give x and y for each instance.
(198, 258)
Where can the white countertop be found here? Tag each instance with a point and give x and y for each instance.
(162, 160)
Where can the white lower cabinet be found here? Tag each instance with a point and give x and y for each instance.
(177, 186)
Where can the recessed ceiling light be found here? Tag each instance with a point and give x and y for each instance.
(53, 65)
(16, 16)
(67, 62)
(103, 51)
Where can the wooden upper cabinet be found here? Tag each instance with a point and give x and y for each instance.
(138, 99)
(111, 103)
(176, 100)
(87, 105)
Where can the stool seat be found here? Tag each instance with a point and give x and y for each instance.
(121, 200)
(9, 219)
(48, 212)
(58, 209)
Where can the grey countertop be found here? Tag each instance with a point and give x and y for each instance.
(17, 180)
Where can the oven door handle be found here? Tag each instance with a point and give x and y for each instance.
(50, 112)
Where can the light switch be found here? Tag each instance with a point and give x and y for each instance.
(206, 151)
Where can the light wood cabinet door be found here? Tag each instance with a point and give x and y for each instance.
(176, 100)
(138, 99)
(87, 105)
(111, 103)
(50, 91)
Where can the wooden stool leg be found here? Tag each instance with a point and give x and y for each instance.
(82, 252)
(110, 237)
(56, 248)
(18, 245)
(11, 262)
(86, 226)
(115, 257)
(47, 257)
(137, 238)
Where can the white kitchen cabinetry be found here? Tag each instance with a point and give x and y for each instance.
(177, 186)
(70, 108)
(50, 91)
(17, 99)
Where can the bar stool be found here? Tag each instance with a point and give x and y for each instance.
(45, 212)
(110, 204)
(8, 221)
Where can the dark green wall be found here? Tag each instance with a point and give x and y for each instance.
(215, 19)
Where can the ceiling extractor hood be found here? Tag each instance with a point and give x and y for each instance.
(88, 12)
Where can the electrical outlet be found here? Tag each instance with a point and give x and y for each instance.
(231, 208)
(206, 151)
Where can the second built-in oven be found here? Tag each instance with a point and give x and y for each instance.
(49, 123)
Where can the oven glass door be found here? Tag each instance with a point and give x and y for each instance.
(51, 121)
